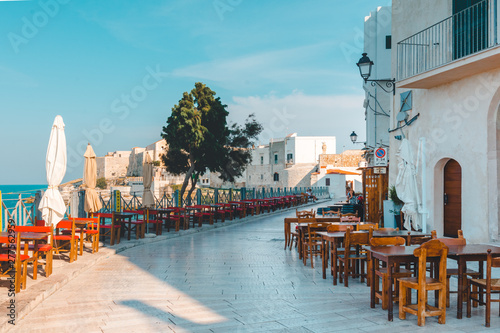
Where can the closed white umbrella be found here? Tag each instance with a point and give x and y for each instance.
(147, 178)
(92, 202)
(148, 200)
(406, 186)
(52, 204)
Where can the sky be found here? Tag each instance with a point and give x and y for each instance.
(114, 69)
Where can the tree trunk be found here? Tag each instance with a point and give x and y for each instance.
(188, 176)
(193, 186)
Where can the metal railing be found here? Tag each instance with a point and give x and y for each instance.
(467, 32)
(23, 210)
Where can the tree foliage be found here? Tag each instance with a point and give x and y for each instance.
(101, 183)
(199, 138)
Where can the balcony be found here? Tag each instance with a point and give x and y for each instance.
(459, 46)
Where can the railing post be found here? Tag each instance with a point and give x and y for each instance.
(243, 193)
(177, 196)
(230, 194)
(271, 193)
(216, 196)
(198, 196)
(117, 201)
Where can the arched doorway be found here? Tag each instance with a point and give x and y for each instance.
(452, 198)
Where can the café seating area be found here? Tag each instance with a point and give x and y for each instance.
(37, 246)
(404, 270)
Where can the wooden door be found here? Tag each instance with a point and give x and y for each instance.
(452, 198)
(375, 188)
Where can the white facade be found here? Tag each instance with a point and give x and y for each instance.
(377, 44)
(455, 110)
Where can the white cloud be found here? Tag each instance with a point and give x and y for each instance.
(306, 115)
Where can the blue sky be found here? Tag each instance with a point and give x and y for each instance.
(114, 69)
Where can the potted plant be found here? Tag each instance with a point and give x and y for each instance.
(398, 204)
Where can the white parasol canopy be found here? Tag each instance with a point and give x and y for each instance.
(147, 178)
(92, 201)
(52, 204)
(406, 186)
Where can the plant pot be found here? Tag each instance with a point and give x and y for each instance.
(398, 222)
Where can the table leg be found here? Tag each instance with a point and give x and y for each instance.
(287, 234)
(300, 243)
(372, 285)
(325, 260)
(35, 260)
(390, 305)
(461, 271)
(334, 261)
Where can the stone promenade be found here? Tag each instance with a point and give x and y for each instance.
(232, 279)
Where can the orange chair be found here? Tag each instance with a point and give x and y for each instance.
(90, 232)
(66, 242)
(44, 249)
(20, 266)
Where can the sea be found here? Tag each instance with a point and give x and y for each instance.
(10, 193)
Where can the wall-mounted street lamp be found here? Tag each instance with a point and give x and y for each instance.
(365, 70)
(354, 138)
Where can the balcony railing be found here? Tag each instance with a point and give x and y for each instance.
(465, 33)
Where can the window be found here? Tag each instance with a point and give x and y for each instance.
(327, 180)
(388, 42)
(275, 158)
(261, 160)
(470, 27)
(261, 177)
(289, 158)
(276, 177)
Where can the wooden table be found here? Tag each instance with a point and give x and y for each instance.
(391, 255)
(164, 214)
(469, 252)
(35, 237)
(290, 220)
(330, 241)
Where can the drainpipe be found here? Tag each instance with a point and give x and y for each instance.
(424, 180)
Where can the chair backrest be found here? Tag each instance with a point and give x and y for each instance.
(387, 241)
(305, 213)
(355, 238)
(388, 229)
(39, 223)
(350, 214)
(454, 241)
(91, 222)
(418, 240)
(432, 248)
(313, 228)
(66, 225)
(367, 226)
(350, 219)
(338, 227)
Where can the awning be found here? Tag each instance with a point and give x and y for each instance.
(341, 172)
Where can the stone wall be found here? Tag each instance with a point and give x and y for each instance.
(349, 158)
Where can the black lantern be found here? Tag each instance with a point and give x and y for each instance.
(354, 137)
(365, 67)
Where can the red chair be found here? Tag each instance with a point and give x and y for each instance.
(138, 225)
(152, 219)
(177, 216)
(240, 209)
(45, 249)
(66, 242)
(228, 209)
(111, 230)
(20, 267)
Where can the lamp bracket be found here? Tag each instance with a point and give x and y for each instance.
(390, 85)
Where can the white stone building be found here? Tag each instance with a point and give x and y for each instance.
(287, 162)
(446, 58)
(377, 45)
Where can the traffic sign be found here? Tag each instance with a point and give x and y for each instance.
(380, 157)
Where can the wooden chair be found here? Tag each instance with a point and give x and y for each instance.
(90, 232)
(422, 283)
(111, 230)
(367, 226)
(305, 213)
(336, 251)
(228, 208)
(350, 214)
(294, 235)
(153, 220)
(388, 229)
(419, 240)
(353, 240)
(312, 244)
(489, 286)
(350, 218)
(138, 225)
(19, 268)
(44, 249)
(66, 242)
(382, 273)
(460, 241)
